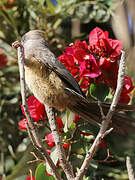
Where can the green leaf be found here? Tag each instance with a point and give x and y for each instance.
(54, 157)
(51, 7)
(40, 173)
(99, 91)
(70, 118)
(57, 23)
(67, 119)
(72, 126)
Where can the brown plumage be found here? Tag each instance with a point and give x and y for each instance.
(52, 84)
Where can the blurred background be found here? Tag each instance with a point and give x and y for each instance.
(64, 21)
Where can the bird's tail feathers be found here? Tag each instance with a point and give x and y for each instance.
(90, 111)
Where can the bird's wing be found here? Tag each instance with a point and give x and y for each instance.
(46, 57)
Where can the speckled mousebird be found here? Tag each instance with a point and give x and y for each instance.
(52, 84)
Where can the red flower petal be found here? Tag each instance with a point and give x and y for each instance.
(69, 50)
(114, 48)
(49, 140)
(101, 45)
(85, 84)
(30, 178)
(22, 124)
(80, 50)
(3, 60)
(89, 67)
(103, 144)
(37, 110)
(66, 145)
(59, 122)
(95, 35)
(128, 85)
(48, 174)
(49, 151)
(124, 99)
(105, 64)
(77, 118)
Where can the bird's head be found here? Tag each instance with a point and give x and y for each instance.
(34, 36)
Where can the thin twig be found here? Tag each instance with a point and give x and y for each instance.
(71, 142)
(32, 130)
(106, 120)
(67, 168)
(107, 157)
(101, 110)
(36, 158)
(130, 169)
(31, 174)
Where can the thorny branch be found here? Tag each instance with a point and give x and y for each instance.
(66, 166)
(31, 128)
(106, 120)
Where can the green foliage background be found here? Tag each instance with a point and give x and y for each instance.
(16, 18)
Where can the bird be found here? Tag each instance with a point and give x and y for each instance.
(52, 84)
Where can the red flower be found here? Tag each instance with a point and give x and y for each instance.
(96, 63)
(80, 50)
(89, 67)
(85, 83)
(66, 145)
(109, 76)
(81, 45)
(3, 60)
(49, 140)
(104, 63)
(96, 35)
(128, 85)
(22, 124)
(49, 151)
(101, 45)
(69, 62)
(30, 178)
(77, 118)
(114, 48)
(37, 110)
(73, 57)
(59, 122)
(103, 144)
(127, 88)
(124, 99)
(49, 137)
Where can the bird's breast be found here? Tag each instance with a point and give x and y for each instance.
(46, 86)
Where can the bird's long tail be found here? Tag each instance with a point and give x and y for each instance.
(90, 111)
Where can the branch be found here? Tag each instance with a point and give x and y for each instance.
(106, 120)
(67, 168)
(130, 169)
(32, 129)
